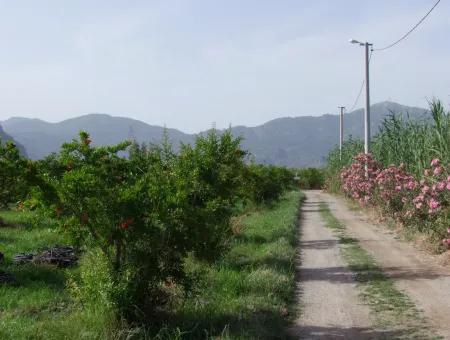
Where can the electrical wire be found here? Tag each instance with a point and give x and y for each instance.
(410, 31)
(361, 89)
(358, 96)
(389, 46)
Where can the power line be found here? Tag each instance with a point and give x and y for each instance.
(410, 31)
(358, 96)
(361, 89)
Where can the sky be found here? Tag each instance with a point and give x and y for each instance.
(189, 64)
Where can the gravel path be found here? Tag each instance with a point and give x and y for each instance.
(328, 296)
(413, 271)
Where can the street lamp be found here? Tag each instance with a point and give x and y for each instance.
(367, 108)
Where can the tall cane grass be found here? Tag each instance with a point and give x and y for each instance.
(401, 139)
(414, 142)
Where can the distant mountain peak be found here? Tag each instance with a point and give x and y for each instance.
(23, 119)
(290, 141)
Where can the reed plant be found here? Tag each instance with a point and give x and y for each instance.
(414, 142)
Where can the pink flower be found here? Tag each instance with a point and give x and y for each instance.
(433, 204)
(411, 185)
(435, 162)
(419, 198)
(440, 186)
(419, 205)
(437, 171)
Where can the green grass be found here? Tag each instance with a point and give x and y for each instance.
(248, 295)
(39, 306)
(392, 308)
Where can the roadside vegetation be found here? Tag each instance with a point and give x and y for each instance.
(407, 176)
(249, 292)
(190, 244)
(311, 178)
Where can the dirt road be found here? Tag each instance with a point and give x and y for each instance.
(328, 296)
(329, 302)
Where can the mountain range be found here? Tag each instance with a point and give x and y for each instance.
(290, 141)
(4, 137)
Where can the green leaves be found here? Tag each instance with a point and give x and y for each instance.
(14, 170)
(151, 210)
(266, 183)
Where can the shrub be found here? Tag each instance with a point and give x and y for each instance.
(393, 189)
(140, 218)
(423, 204)
(337, 160)
(146, 213)
(409, 179)
(430, 206)
(266, 183)
(311, 178)
(94, 286)
(14, 172)
(359, 179)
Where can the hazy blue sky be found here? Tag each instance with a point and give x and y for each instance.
(188, 64)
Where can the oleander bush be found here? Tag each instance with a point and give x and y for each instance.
(337, 160)
(407, 176)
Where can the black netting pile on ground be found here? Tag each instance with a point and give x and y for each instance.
(61, 256)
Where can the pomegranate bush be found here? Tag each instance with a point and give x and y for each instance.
(266, 183)
(14, 173)
(146, 213)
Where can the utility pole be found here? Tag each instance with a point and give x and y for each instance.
(367, 111)
(367, 46)
(341, 131)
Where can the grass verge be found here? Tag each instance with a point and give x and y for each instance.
(248, 294)
(392, 308)
(39, 306)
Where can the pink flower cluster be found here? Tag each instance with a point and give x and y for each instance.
(424, 201)
(446, 241)
(434, 189)
(393, 183)
(359, 180)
